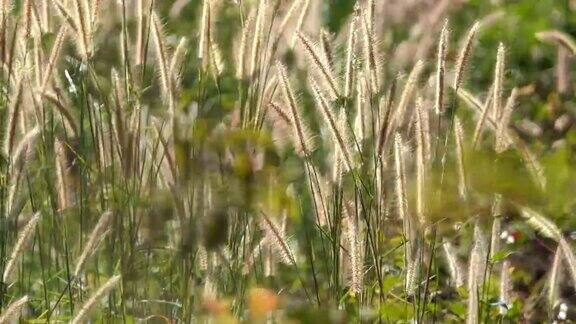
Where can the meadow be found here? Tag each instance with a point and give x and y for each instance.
(287, 161)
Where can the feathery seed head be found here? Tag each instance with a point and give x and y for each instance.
(95, 298)
(21, 244)
(204, 43)
(319, 64)
(464, 55)
(350, 49)
(13, 310)
(301, 136)
(277, 240)
(441, 68)
(540, 223)
(558, 37)
(338, 134)
(459, 139)
(162, 60)
(93, 241)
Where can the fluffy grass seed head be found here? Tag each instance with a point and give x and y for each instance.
(301, 134)
(441, 68)
(464, 55)
(558, 37)
(21, 245)
(95, 298)
(319, 64)
(545, 226)
(98, 233)
(13, 310)
(276, 239)
(338, 134)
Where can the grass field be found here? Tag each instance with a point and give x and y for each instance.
(287, 161)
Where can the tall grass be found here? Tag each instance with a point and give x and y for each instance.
(293, 175)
